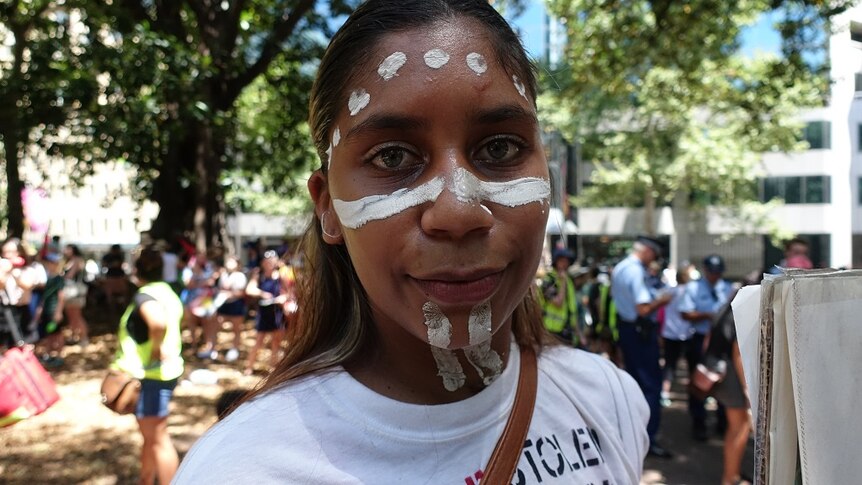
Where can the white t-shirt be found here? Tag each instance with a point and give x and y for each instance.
(589, 426)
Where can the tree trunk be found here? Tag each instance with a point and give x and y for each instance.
(649, 212)
(15, 209)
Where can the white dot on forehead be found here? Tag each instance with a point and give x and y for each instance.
(436, 58)
(476, 62)
(358, 100)
(390, 66)
(520, 86)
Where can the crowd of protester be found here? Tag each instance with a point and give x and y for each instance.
(45, 291)
(646, 318)
(680, 314)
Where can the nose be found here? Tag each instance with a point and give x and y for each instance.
(454, 216)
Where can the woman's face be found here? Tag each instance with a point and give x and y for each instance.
(437, 185)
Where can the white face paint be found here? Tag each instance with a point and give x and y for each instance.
(486, 361)
(449, 369)
(436, 58)
(439, 336)
(479, 324)
(466, 187)
(481, 356)
(390, 66)
(358, 100)
(354, 214)
(336, 137)
(329, 157)
(513, 193)
(476, 62)
(439, 328)
(520, 87)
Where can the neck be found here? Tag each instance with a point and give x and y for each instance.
(405, 368)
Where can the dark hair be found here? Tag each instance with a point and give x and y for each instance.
(20, 248)
(76, 251)
(327, 333)
(149, 264)
(795, 240)
(354, 43)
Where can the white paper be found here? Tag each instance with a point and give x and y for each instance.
(824, 337)
(746, 315)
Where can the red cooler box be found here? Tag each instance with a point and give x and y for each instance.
(26, 388)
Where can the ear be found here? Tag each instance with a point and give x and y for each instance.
(318, 188)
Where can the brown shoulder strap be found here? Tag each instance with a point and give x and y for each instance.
(504, 460)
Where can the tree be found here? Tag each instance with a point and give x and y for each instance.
(176, 73)
(44, 81)
(661, 101)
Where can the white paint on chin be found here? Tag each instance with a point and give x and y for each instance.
(356, 213)
(481, 356)
(479, 324)
(449, 369)
(436, 58)
(468, 188)
(358, 100)
(440, 336)
(390, 66)
(439, 327)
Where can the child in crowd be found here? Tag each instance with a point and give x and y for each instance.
(49, 312)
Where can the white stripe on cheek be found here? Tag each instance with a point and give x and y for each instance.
(468, 188)
(356, 213)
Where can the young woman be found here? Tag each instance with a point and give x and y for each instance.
(149, 349)
(265, 285)
(430, 211)
(76, 293)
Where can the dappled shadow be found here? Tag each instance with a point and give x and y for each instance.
(80, 441)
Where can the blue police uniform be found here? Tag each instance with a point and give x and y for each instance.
(638, 336)
(701, 296)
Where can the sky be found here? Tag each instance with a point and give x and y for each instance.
(760, 37)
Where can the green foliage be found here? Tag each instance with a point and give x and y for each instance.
(44, 81)
(662, 104)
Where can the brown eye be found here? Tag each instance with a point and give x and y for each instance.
(392, 157)
(498, 149)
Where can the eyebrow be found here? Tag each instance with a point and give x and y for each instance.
(383, 121)
(499, 114)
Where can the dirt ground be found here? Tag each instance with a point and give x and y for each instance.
(78, 440)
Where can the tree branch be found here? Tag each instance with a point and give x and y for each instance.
(271, 48)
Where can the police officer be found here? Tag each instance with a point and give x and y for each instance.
(701, 302)
(559, 299)
(638, 329)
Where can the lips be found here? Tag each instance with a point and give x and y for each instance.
(461, 288)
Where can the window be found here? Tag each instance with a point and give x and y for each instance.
(799, 190)
(793, 190)
(818, 134)
(856, 31)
